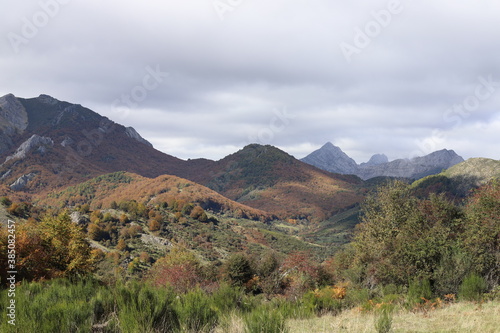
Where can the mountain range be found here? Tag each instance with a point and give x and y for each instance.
(332, 158)
(47, 146)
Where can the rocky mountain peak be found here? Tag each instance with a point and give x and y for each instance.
(377, 159)
(46, 99)
(331, 158)
(13, 115)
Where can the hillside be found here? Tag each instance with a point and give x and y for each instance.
(460, 179)
(121, 186)
(47, 144)
(267, 178)
(54, 143)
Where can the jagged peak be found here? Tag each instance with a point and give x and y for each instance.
(377, 159)
(8, 96)
(46, 99)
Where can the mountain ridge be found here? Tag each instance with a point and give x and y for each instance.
(330, 157)
(64, 144)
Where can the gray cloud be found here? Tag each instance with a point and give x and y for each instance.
(228, 77)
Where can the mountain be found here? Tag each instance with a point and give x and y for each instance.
(460, 179)
(48, 145)
(376, 160)
(269, 179)
(45, 141)
(333, 159)
(415, 168)
(481, 170)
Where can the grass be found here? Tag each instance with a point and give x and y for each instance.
(460, 317)
(61, 305)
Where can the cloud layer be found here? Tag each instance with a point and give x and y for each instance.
(402, 78)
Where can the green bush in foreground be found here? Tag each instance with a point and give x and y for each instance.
(265, 319)
(196, 312)
(472, 288)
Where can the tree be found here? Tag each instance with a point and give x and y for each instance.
(154, 225)
(482, 231)
(237, 269)
(121, 245)
(179, 269)
(402, 237)
(199, 214)
(54, 247)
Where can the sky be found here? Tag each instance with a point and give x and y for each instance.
(204, 78)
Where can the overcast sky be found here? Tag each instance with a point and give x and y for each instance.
(203, 78)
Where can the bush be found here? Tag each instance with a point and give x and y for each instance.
(5, 201)
(238, 269)
(265, 319)
(383, 321)
(325, 300)
(196, 313)
(472, 288)
(56, 306)
(142, 308)
(418, 292)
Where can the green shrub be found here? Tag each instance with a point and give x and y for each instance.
(472, 288)
(55, 306)
(265, 319)
(383, 321)
(142, 308)
(196, 312)
(227, 298)
(356, 297)
(322, 301)
(418, 292)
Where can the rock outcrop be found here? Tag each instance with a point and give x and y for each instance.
(13, 120)
(34, 143)
(22, 181)
(132, 133)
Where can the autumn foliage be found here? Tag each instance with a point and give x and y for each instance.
(54, 247)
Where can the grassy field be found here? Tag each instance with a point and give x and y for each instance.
(461, 317)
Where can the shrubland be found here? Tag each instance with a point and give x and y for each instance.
(174, 266)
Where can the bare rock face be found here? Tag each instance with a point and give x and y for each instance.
(13, 120)
(331, 158)
(22, 181)
(34, 143)
(12, 114)
(132, 133)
